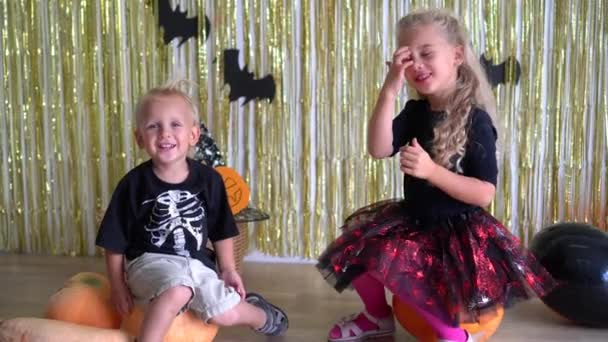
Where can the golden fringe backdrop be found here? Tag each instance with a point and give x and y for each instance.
(72, 71)
(71, 74)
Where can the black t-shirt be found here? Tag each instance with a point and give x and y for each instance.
(149, 215)
(417, 121)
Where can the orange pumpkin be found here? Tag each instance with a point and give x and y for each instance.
(186, 327)
(84, 299)
(29, 329)
(417, 327)
(236, 188)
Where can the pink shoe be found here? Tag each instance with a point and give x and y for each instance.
(350, 331)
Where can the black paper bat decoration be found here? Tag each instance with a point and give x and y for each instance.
(241, 81)
(176, 24)
(507, 71)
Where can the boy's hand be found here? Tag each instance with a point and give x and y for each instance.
(121, 295)
(233, 279)
(122, 299)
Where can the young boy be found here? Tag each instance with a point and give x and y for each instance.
(158, 221)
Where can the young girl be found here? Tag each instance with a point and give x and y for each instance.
(437, 250)
(158, 222)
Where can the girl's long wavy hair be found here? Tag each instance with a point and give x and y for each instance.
(472, 87)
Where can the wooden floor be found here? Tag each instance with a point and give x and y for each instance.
(27, 282)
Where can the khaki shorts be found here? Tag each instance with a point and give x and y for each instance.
(151, 274)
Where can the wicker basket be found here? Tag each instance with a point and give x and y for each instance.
(241, 245)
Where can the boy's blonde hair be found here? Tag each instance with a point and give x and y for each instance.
(472, 87)
(172, 88)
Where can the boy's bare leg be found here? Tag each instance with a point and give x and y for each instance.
(257, 313)
(242, 314)
(161, 313)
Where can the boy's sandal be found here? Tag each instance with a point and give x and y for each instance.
(350, 331)
(276, 319)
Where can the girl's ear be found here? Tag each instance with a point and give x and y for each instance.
(458, 55)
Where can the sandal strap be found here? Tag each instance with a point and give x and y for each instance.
(371, 318)
(346, 328)
(384, 323)
(348, 318)
(347, 324)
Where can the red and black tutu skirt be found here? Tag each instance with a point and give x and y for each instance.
(457, 267)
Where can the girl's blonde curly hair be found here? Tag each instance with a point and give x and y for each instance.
(472, 87)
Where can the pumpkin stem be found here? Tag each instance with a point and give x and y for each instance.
(91, 281)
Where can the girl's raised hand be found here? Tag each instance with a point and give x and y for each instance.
(402, 59)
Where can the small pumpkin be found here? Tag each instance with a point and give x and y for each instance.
(84, 299)
(46, 330)
(186, 327)
(236, 188)
(419, 328)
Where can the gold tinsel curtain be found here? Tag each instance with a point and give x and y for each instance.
(72, 71)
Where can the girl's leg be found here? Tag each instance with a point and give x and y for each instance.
(442, 329)
(371, 291)
(373, 296)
